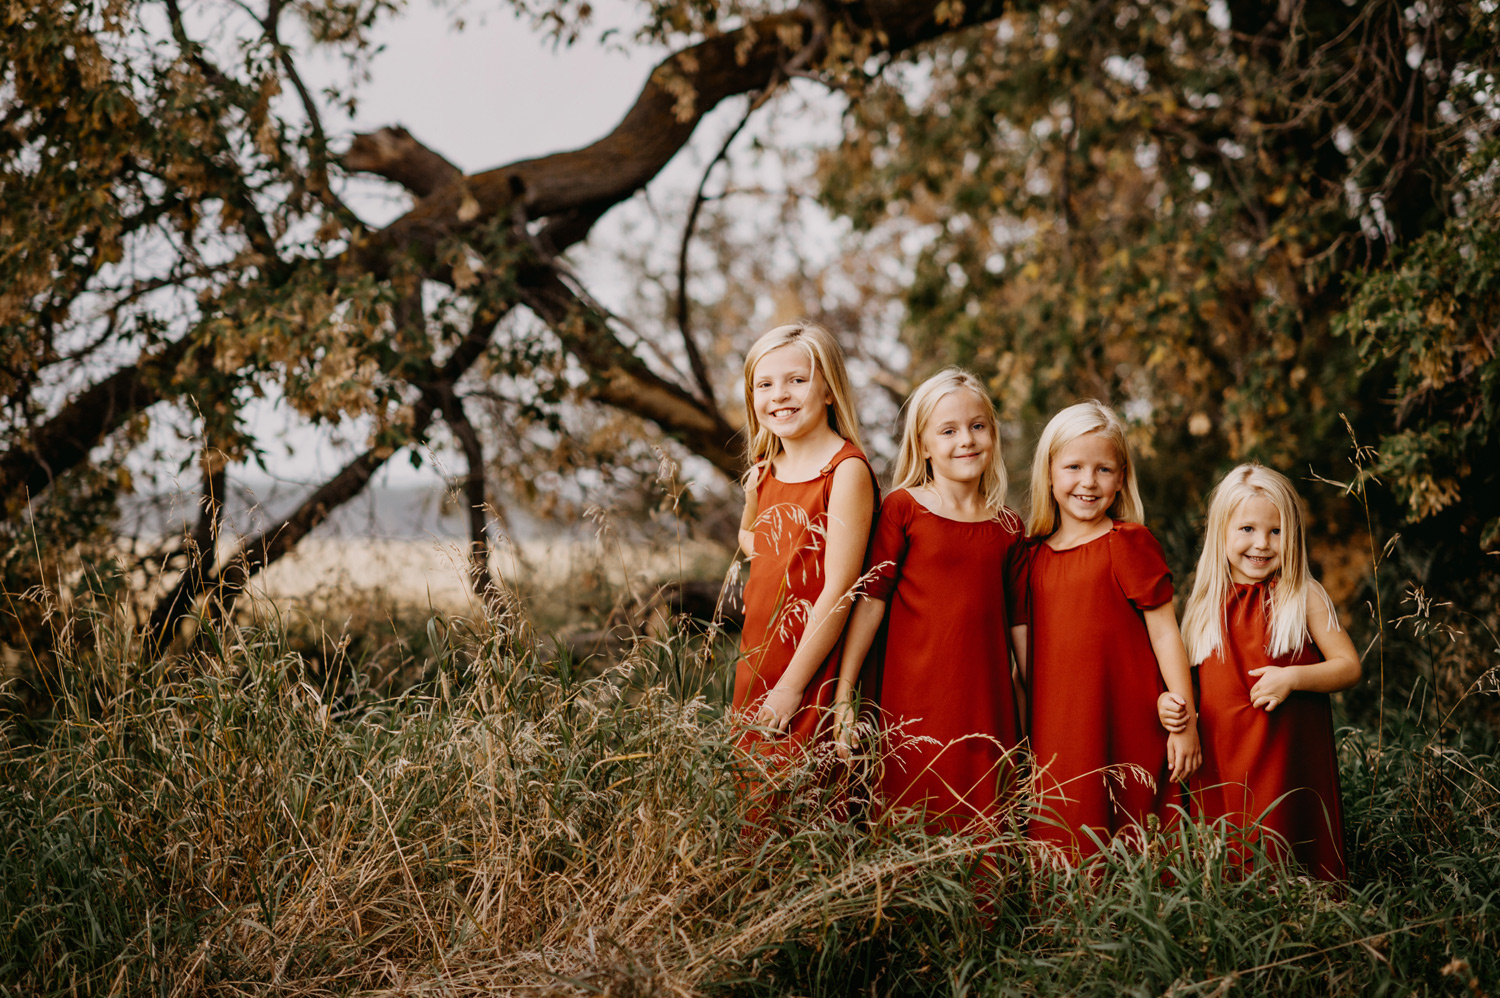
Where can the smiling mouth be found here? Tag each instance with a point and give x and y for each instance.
(783, 413)
(1085, 499)
(1258, 560)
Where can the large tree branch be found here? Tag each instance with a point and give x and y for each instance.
(619, 378)
(681, 90)
(568, 190)
(394, 154)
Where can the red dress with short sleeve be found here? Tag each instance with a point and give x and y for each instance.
(786, 577)
(1099, 750)
(1281, 767)
(946, 698)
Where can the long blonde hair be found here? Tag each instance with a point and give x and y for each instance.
(1286, 628)
(913, 471)
(1073, 422)
(761, 445)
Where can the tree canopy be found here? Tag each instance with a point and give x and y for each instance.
(1235, 221)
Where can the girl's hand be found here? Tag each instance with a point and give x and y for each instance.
(1184, 754)
(1273, 685)
(1172, 711)
(845, 737)
(777, 708)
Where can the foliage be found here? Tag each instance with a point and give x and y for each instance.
(1233, 221)
(223, 823)
(1428, 324)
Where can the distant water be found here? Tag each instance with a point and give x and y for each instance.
(392, 512)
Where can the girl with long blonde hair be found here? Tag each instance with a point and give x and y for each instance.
(1094, 605)
(809, 498)
(1269, 649)
(937, 568)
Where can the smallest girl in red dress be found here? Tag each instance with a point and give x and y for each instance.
(1268, 647)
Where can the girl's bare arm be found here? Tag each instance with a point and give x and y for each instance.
(1184, 753)
(747, 523)
(1020, 646)
(864, 624)
(1339, 669)
(851, 507)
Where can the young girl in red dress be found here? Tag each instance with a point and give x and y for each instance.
(937, 560)
(809, 497)
(1095, 598)
(1269, 650)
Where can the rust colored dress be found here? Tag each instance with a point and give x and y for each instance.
(1099, 750)
(1280, 768)
(946, 698)
(786, 577)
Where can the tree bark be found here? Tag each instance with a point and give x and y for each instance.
(202, 548)
(619, 378)
(480, 577)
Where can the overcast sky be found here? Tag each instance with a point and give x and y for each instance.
(495, 91)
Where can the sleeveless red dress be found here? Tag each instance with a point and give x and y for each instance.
(786, 577)
(945, 692)
(1098, 748)
(1280, 768)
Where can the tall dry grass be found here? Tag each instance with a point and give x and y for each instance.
(221, 823)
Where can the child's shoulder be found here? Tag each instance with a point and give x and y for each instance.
(1134, 540)
(899, 503)
(1132, 531)
(1319, 604)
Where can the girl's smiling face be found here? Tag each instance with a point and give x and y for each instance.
(959, 439)
(1087, 475)
(1254, 541)
(790, 396)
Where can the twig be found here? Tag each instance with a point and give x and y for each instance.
(695, 357)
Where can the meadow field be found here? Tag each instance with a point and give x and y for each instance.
(456, 809)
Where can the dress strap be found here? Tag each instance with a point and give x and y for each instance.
(844, 453)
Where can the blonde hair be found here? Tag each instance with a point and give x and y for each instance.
(914, 471)
(1286, 628)
(1070, 424)
(761, 445)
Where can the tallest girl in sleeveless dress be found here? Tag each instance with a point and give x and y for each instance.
(810, 496)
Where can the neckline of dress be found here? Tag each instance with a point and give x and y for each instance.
(1114, 525)
(823, 471)
(925, 508)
